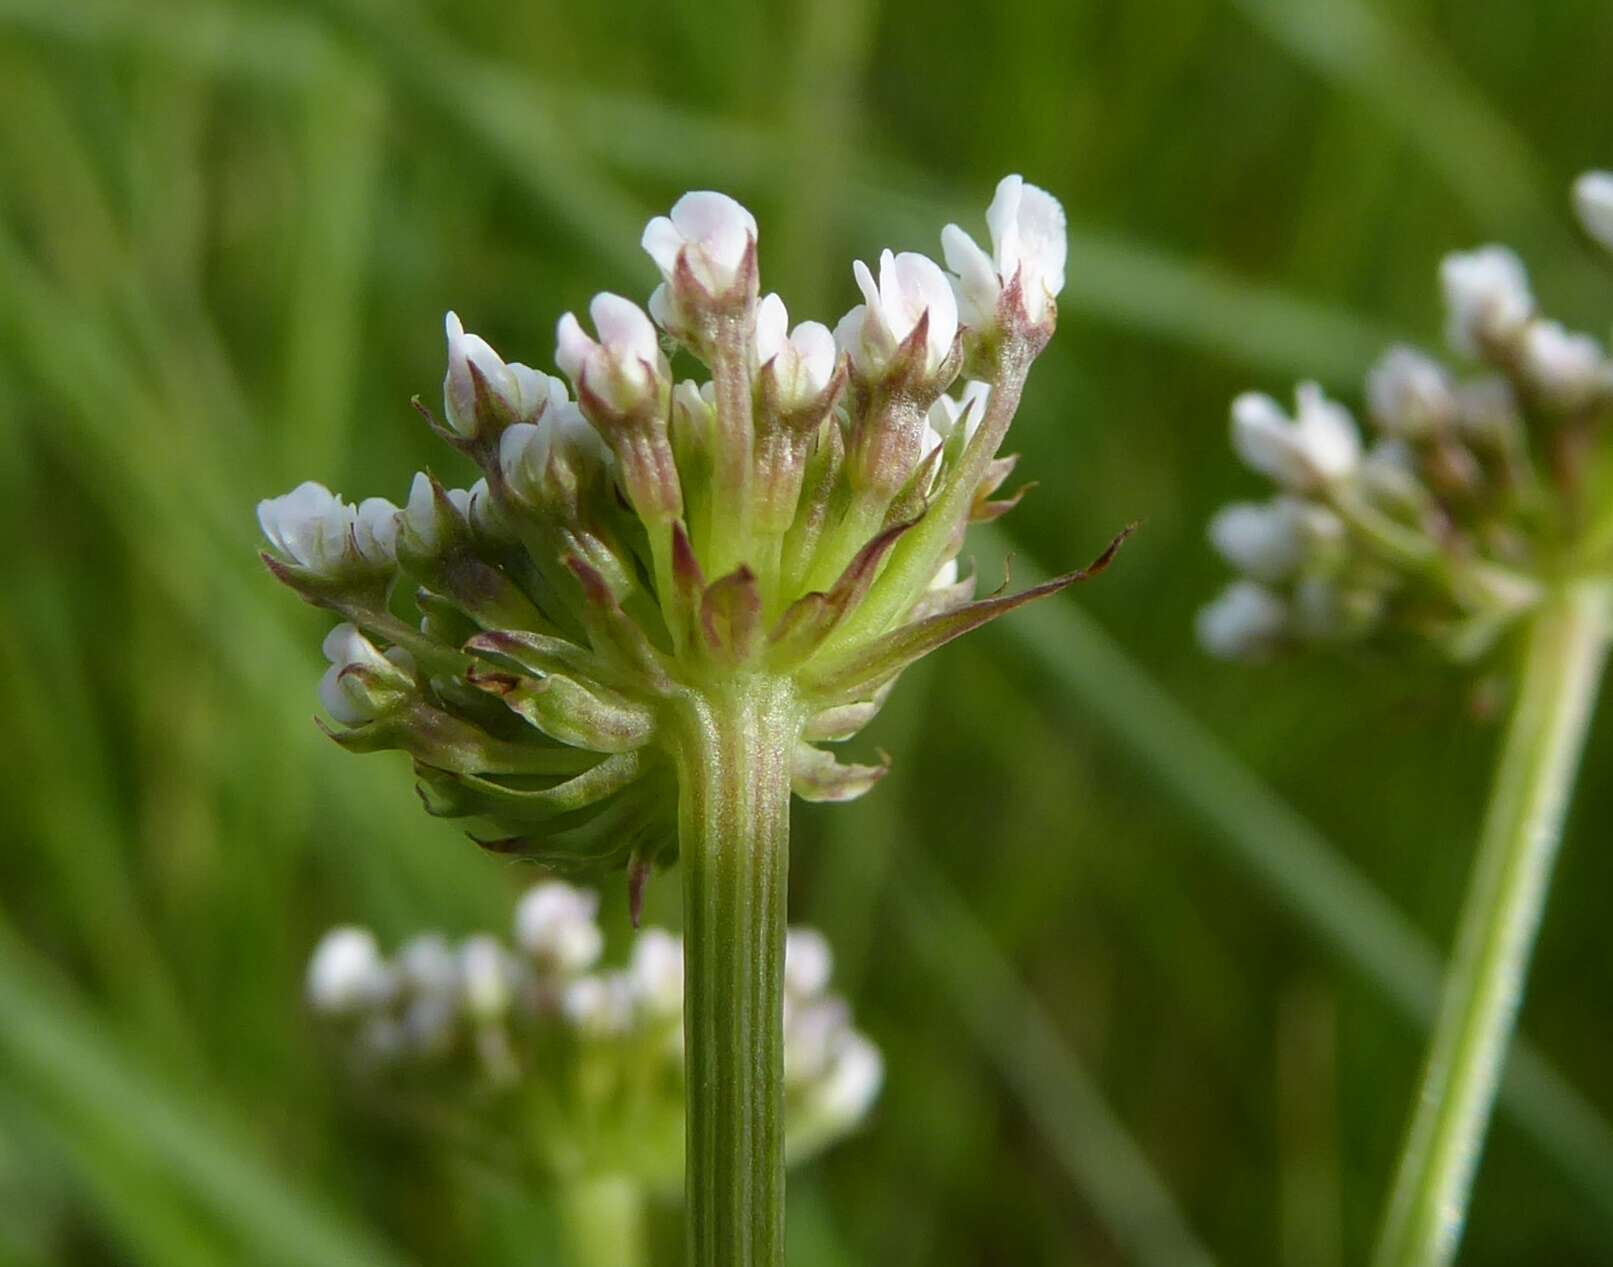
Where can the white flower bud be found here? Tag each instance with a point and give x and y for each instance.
(1566, 368)
(486, 977)
(1487, 298)
(1318, 446)
(853, 1083)
(710, 231)
(599, 1006)
(624, 368)
(431, 1024)
(1593, 200)
(1272, 541)
(812, 1033)
(967, 409)
(1028, 237)
(1244, 620)
(317, 530)
(910, 285)
(554, 923)
(655, 973)
(946, 575)
(428, 966)
(426, 519)
(502, 383)
(807, 962)
(802, 362)
(347, 974)
(1410, 394)
(355, 698)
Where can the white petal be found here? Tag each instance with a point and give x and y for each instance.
(772, 323)
(815, 348)
(624, 328)
(337, 702)
(1002, 218)
(978, 286)
(1593, 200)
(808, 962)
(1487, 297)
(655, 972)
(1244, 620)
(554, 923)
(572, 347)
(662, 242)
(853, 1083)
(346, 972)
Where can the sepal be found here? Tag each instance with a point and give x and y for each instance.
(816, 775)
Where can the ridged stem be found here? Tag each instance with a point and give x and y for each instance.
(1529, 801)
(735, 744)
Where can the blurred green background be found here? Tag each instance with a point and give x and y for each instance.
(1147, 940)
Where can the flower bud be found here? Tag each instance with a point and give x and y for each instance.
(347, 974)
(316, 530)
(486, 978)
(1410, 394)
(807, 963)
(1028, 243)
(431, 521)
(655, 973)
(967, 408)
(1244, 621)
(599, 1006)
(706, 251)
(546, 463)
(361, 683)
(876, 334)
(812, 1034)
(1271, 542)
(1318, 446)
(428, 966)
(1487, 414)
(480, 391)
(555, 925)
(1593, 200)
(1487, 298)
(797, 367)
(1567, 369)
(854, 1082)
(624, 369)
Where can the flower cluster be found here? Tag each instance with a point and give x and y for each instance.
(636, 543)
(1475, 491)
(594, 1054)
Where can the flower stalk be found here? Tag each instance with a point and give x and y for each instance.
(1565, 654)
(734, 756)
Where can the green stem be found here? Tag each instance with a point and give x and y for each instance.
(735, 744)
(1566, 651)
(602, 1222)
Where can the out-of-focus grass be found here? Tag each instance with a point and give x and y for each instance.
(227, 233)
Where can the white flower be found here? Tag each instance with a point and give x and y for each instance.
(1565, 367)
(710, 231)
(655, 973)
(968, 407)
(1242, 621)
(527, 449)
(1487, 298)
(599, 1006)
(518, 388)
(485, 977)
(555, 925)
(807, 962)
(1028, 237)
(346, 698)
(315, 529)
(429, 967)
(1593, 200)
(910, 285)
(812, 1033)
(853, 1082)
(425, 518)
(347, 973)
(1320, 444)
(1410, 394)
(803, 361)
(622, 367)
